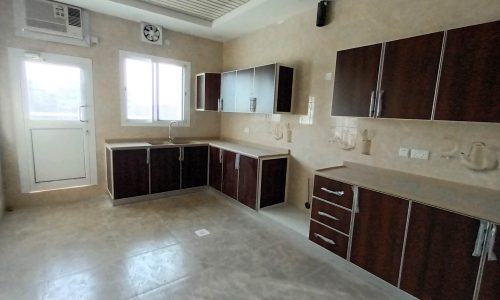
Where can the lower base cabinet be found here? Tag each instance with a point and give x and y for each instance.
(164, 170)
(129, 175)
(194, 166)
(247, 181)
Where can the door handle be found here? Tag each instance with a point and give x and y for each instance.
(379, 103)
(80, 112)
(237, 162)
(147, 157)
(491, 243)
(372, 105)
(181, 154)
(253, 104)
(329, 241)
(336, 193)
(481, 235)
(324, 214)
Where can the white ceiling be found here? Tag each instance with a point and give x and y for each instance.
(250, 15)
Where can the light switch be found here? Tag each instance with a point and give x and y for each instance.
(404, 152)
(328, 76)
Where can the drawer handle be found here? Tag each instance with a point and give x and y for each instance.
(336, 193)
(327, 240)
(324, 214)
(491, 247)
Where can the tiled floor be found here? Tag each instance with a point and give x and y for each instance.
(148, 250)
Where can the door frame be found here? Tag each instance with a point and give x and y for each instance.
(24, 147)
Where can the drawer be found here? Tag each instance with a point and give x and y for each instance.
(333, 191)
(328, 238)
(331, 215)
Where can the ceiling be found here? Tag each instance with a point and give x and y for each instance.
(219, 20)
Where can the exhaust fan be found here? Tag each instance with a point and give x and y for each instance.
(151, 33)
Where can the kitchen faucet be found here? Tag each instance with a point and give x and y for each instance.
(171, 136)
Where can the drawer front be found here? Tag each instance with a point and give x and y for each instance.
(333, 191)
(329, 239)
(331, 215)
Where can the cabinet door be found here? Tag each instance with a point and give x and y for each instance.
(379, 229)
(215, 169)
(264, 88)
(285, 89)
(438, 261)
(490, 284)
(273, 181)
(229, 174)
(208, 91)
(356, 75)
(409, 77)
(247, 182)
(194, 166)
(228, 91)
(469, 88)
(165, 170)
(130, 173)
(244, 89)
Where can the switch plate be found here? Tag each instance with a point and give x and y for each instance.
(246, 130)
(420, 154)
(404, 152)
(328, 76)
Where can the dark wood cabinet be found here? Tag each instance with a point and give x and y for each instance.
(333, 191)
(194, 166)
(247, 181)
(130, 173)
(329, 239)
(409, 76)
(273, 181)
(356, 75)
(469, 88)
(378, 235)
(229, 174)
(438, 261)
(490, 283)
(215, 168)
(208, 91)
(164, 170)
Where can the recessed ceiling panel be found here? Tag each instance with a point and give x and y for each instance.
(205, 9)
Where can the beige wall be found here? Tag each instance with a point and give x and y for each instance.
(312, 51)
(114, 34)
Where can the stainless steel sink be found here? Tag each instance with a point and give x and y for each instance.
(156, 143)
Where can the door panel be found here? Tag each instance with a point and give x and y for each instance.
(438, 261)
(165, 170)
(469, 89)
(228, 91)
(409, 76)
(194, 166)
(379, 229)
(58, 163)
(356, 75)
(244, 89)
(130, 173)
(273, 181)
(247, 182)
(264, 88)
(229, 175)
(215, 169)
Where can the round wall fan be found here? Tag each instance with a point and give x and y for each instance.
(151, 33)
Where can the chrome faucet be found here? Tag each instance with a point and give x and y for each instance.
(171, 136)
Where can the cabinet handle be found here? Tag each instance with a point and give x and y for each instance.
(336, 193)
(80, 113)
(355, 191)
(491, 243)
(481, 235)
(221, 104)
(237, 162)
(147, 156)
(181, 154)
(221, 153)
(379, 103)
(253, 104)
(324, 214)
(372, 105)
(329, 241)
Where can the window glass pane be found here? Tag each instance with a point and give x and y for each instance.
(139, 89)
(54, 91)
(170, 92)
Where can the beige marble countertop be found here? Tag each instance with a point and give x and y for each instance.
(251, 150)
(468, 200)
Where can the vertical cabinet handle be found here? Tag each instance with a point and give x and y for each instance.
(481, 235)
(221, 153)
(371, 113)
(355, 191)
(80, 112)
(147, 156)
(237, 162)
(379, 103)
(221, 104)
(491, 243)
(327, 240)
(336, 193)
(181, 154)
(253, 104)
(324, 214)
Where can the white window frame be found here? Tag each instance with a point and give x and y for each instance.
(186, 87)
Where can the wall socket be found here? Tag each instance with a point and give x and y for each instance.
(246, 130)
(404, 152)
(420, 154)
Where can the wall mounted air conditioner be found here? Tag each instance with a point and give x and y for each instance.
(52, 21)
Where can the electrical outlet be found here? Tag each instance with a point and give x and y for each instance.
(328, 76)
(404, 152)
(420, 154)
(246, 130)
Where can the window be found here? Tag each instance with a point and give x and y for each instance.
(155, 90)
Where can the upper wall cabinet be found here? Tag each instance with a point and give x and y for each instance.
(469, 88)
(207, 91)
(265, 89)
(444, 76)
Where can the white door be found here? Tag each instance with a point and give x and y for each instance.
(56, 136)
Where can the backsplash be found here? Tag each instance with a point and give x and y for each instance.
(319, 140)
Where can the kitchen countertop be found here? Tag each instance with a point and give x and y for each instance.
(465, 199)
(251, 150)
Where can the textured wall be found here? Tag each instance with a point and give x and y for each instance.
(312, 51)
(115, 34)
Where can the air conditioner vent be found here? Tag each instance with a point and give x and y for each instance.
(74, 17)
